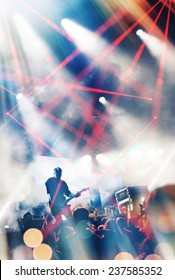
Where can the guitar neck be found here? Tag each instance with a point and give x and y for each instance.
(73, 196)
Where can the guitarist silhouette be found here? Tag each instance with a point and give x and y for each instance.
(58, 191)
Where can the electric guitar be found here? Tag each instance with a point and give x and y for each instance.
(64, 204)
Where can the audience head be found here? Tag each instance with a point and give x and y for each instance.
(160, 208)
(80, 214)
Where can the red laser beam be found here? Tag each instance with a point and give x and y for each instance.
(70, 128)
(42, 142)
(6, 89)
(63, 124)
(109, 49)
(43, 81)
(130, 70)
(67, 60)
(99, 90)
(125, 33)
(115, 17)
(49, 77)
(157, 101)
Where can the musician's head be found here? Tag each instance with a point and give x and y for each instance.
(57, 172)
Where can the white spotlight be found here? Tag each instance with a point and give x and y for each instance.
(102, 159)
(19, 96)
(103, 100)
(87, 158)
(99, 157)
(154, 44)
(139, 32)
(65, 22)
(86, 40)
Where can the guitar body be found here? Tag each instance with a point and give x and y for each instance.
(64, 208)
(57, 209)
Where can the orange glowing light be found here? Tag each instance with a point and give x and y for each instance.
(124, 256)
(153, 257)
(33, 237)
(42, 252)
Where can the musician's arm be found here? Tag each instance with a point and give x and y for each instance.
(67, 191)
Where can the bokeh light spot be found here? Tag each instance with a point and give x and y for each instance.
(164, 250)
(42, 252)
(153, 257)
(124, 256)
(33, 237)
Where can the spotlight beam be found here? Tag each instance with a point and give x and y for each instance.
(79, 134)
(46, 20)
(116, 42)
(76, 52)
(133, 141)
(42, 142)
(44, 80)
(162, 169)
(64, 124)
(157, 101)
(71, 56)
(14, 51)
(125, 33)
(134, 62)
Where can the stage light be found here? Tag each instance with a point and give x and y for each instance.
(87, 41)
(84, 164)
(19, 96)
(6, 227)
(99, 157)
(86, 161)
(103, 160)
(139, 32)
(154, 44)
(103, 100)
